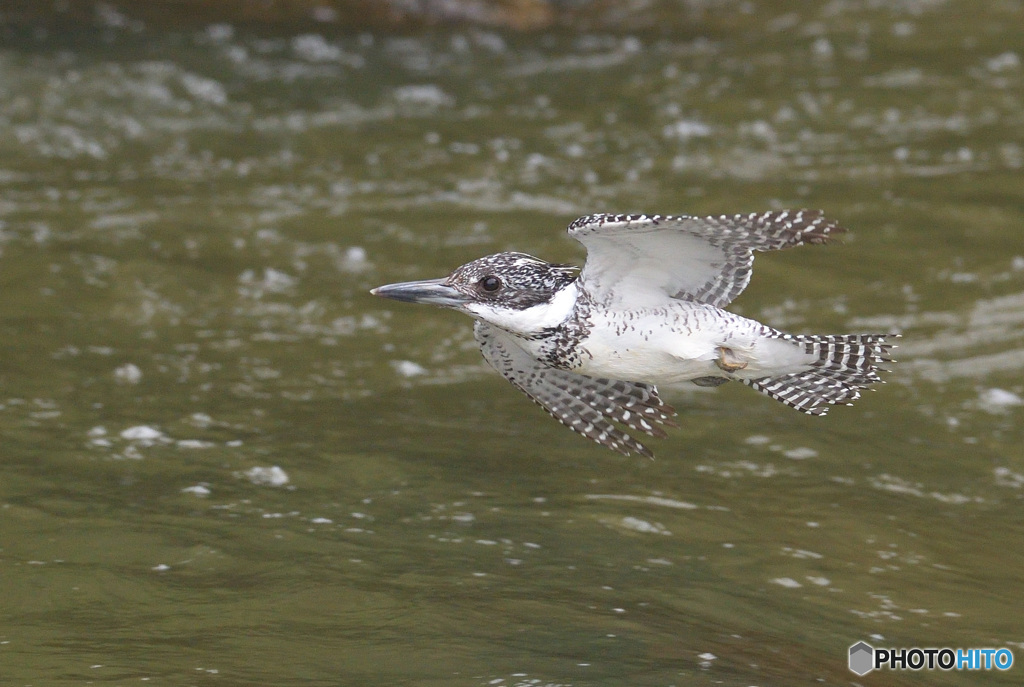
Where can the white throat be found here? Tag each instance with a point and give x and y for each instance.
(532, 320)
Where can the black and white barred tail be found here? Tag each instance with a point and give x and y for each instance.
(846, 364)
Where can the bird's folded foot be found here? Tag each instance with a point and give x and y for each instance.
(728, 360)
(709, 381)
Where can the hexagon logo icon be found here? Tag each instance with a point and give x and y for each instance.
(862, 658)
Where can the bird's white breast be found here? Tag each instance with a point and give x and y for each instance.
(680, 342)
(646, 346)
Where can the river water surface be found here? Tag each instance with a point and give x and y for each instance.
(223, 462)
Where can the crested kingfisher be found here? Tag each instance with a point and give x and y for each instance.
(590, 346)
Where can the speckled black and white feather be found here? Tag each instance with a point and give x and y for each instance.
(585, 405)
(706, 259)
(526, 280)
(845, 364)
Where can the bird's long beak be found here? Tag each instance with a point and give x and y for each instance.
(430, 291)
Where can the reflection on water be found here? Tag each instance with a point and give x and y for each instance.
(224, 461)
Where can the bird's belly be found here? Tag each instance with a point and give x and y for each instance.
(655, 352)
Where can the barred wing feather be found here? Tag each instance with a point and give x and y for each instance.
(585, 405)
(642, 259)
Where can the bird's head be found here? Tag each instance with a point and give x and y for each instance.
(514, 291)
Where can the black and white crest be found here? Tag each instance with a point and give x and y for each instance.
(512, 280)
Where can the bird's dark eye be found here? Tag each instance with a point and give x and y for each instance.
(490, 283)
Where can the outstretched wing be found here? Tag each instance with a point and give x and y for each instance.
(646, 258)
(583, 404)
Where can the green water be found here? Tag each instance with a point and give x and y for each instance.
(189, 224)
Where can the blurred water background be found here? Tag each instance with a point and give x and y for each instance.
(224, 463)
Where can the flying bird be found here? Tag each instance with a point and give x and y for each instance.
(590, 346)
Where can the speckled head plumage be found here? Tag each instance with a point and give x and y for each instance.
(502, 281)
(511, 280)
(519, 293)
